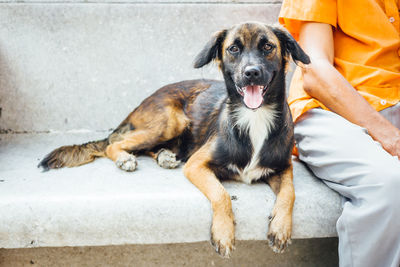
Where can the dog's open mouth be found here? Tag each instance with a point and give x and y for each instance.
(253, 95)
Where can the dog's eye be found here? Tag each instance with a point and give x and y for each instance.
(233, 49)
(268, 47)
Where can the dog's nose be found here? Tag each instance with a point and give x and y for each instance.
(252, 72)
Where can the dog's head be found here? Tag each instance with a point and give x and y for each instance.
(253, 58)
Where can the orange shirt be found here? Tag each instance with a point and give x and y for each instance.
(366, 42)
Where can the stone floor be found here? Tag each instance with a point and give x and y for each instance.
(302, 253)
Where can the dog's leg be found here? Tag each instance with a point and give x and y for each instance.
(150, 128)
(223, 229)
(134, 140)
(280, 225)
(165, 158)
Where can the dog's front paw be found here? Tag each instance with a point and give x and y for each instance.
(126, 162)
(223, 235)
(279, 231)
(167, 159)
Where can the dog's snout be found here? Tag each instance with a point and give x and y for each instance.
(252, 72)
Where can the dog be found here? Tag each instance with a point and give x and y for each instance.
(238, 129)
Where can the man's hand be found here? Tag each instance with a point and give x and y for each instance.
(323, 82)
(389, 137)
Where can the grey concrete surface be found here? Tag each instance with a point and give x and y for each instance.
(98, 204)
(73, 69)
(86, 66)
(302, 253)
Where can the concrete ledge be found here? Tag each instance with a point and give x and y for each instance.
(98, 204)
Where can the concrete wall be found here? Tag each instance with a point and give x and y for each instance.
(68, 65)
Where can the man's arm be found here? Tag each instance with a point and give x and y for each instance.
(323, 82)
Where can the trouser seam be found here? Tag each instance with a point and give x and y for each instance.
(346, 232)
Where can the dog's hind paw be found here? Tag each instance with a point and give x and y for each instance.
(167, 159)
(126, 162)
(279, 233)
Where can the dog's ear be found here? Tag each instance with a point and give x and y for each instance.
(212, 50)
(290, 46)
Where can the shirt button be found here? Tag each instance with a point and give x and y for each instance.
(391, 19)
(383, 102)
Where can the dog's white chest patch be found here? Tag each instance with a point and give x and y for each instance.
(258, 124)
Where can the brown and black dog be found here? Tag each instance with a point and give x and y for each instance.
(238, 129)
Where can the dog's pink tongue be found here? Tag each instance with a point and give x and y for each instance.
(253, 97)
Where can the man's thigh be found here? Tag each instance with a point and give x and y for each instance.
(341, 153)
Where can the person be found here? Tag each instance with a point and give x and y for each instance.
(346, 109)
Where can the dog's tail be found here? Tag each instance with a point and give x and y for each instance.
(75, 155)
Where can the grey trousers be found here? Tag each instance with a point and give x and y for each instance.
(350, 162)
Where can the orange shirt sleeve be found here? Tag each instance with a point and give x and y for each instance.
(294, 12)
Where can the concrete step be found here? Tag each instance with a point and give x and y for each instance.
(97, 204)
